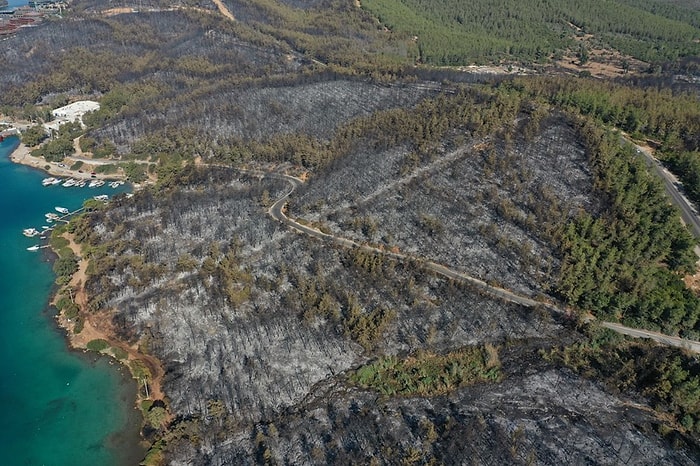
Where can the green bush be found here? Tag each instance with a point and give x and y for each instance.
(97, 345)
(119, 353)
(429, 374)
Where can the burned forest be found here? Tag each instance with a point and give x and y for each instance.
(337, 252)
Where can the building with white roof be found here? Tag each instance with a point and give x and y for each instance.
(71, 113)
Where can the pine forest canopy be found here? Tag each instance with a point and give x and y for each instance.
(452, 32)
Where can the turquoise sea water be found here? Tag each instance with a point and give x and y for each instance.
(16, 3)
(57, 406)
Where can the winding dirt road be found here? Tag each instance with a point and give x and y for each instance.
(276, 211)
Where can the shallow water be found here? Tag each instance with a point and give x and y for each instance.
(59, 407)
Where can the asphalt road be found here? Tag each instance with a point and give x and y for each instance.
(688, 213)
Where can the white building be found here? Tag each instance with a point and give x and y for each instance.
(71, 113)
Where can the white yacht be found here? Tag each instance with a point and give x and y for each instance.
(30, 232)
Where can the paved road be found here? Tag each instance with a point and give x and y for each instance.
(668, 340)
(688, 213)
(276, 211)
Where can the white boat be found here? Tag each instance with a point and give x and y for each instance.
(56, 181)
(48, 181)
(81, 183)
(50, 217)
(30, 232)
(33, 248)
(69, 182)
(61, 210)
(101, 197)
(114, 184)
(96, 183)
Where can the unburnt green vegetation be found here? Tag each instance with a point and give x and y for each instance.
(429, 374)
(450, 32)
(627, 263)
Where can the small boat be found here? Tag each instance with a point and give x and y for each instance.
(96, 183)
(61, 210)
(48, 181)
(57, 181)
(30, 232)
(69, 182)
(33, 248)
(50, 217)
(101, 197)
(81, 183)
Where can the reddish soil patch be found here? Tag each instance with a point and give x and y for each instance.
(98, 325)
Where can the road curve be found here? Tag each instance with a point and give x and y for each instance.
(276, 211)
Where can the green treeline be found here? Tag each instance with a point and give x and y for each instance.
(627, 262)
(686, 165)
(428, 374)
(671, 118)
(668, 378)
(450, 32)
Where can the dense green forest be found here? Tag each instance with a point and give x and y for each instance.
(626, 264)
(456, 33)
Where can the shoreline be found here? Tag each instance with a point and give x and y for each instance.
(95, 381)
(98, 325)
(22, 155)
(92, 330)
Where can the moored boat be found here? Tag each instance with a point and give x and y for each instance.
(48, 181)
(61, 210)
(30, 232)
(96, 183)
(69, 182)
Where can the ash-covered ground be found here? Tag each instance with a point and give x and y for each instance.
(259, 326)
